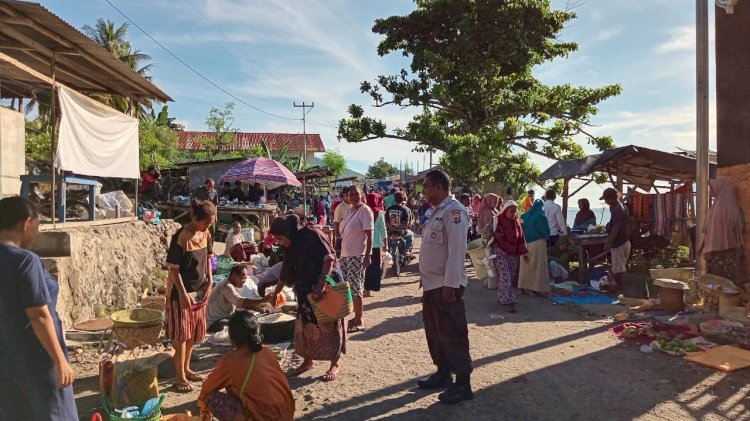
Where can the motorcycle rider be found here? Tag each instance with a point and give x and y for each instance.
(398, 220)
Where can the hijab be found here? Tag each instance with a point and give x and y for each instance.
(724, 225)
(585, 214)
(286, 225)
(509, 236)
(486, 211)
(535, 225)
(375, 202)
(476, 204)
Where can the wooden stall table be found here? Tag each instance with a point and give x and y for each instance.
(580, 242)
(61, 189)
(264, 215)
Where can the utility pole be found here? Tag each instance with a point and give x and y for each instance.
(701, 147)
(304, 153)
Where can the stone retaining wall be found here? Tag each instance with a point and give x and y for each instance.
(106, 267)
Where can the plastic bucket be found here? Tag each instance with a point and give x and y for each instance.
(476, 251)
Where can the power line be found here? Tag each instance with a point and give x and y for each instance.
(193, 69)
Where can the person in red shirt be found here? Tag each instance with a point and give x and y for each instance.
(150, 183)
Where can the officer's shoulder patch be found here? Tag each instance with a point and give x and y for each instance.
(456, 213)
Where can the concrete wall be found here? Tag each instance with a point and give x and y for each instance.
(12, 151)
(199, 173)
(102, 268)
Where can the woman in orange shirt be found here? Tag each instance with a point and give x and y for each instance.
(256, 388)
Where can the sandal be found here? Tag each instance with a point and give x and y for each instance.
(195, 377)
(331, 375)
(181, 387)
(353, 329)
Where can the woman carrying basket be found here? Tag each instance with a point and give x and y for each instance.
(308, 259)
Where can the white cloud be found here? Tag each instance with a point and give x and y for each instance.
(608, 34)
(682, 38)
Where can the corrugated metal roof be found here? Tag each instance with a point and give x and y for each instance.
(188, 140)
(31, 34)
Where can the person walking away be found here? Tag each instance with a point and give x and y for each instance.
(533, 277)
(189, 287)
(618, 241)
(508, 246)
(443, 278)
(308, 259)
(554, 215)
(528, 202)
(206, 192)
(256, 388)
(585, 216)
(374, 272)
(225, 298)
(338, 215)
(399, 220)
(36, 377)
(356, 245)
(487, 212)
(722, 245)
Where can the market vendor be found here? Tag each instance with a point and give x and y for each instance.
(618, 241)
(559, 257)
(236, 193)
(585, 216)
(234, 237)
(180, 188)
(225, 298)
(150, 184)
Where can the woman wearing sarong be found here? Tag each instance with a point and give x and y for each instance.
(533, 276)
(374, 272)
(190, 281)
(256, 388)
(509, 244)
(308, 258)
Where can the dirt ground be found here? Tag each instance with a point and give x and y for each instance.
(544, 362)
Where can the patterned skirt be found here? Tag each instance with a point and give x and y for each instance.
(182, 325)
(507, 276)
(319, 341)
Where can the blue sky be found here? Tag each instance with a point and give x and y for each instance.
(271, 53)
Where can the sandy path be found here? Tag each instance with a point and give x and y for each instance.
(543, 362)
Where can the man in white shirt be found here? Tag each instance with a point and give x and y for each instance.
(555, 218)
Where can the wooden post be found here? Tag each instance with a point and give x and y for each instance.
(52, 139)
(566, 185)
(137, 180)
(619, 178)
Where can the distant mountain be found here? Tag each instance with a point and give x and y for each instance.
(347, 172)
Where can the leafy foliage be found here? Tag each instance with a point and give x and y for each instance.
(158, 139)
(472, 85)
(381, 169)
(335, 162)
(219, 123)
(38, 142)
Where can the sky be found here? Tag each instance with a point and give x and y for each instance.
(273, 53)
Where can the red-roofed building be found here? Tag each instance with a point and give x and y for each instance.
(189, 141)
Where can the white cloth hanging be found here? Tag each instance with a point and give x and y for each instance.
(94, 139)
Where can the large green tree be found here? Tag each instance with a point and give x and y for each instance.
(158, 139)
(335, 162)
(223, 133)
(472, 86)
(381, 169)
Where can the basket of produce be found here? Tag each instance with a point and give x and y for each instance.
(712, 287)
(224, 264)
(676, 347)
(145, 411)
(137, 317)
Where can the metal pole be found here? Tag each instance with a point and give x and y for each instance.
(701, 154)
(304, 154)
(53, 147)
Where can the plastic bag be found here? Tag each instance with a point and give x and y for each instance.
(387, 258)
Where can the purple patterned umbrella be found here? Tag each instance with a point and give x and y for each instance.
(271, 174)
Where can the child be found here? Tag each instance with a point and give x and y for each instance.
(256, 388)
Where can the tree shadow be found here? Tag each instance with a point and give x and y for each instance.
(395, 302)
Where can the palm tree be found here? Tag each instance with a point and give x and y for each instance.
(114, 39)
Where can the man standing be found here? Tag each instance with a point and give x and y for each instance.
(207, 192)
(618, 241)
(441, 267)
(555, 218)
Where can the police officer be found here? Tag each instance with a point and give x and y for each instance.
(441, 267)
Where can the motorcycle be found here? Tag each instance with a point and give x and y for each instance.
(397, 249)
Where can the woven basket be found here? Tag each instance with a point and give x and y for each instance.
(711, 296)
(137, 317)
(678, 274)
(672, 300)
(134, 337)
(154, 416)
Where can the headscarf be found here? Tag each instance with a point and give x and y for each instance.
(286, 225)
(585, 214)
(486, 211)
(724, 226)
(476, 204)
(375, 202)
(509, 236)
(535, 224)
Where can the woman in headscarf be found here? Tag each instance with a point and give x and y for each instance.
(308, 259)
(533, 276)
(585, 216)
(487, 211)
(374, 272)
(509, 244)
(476, 204)
(722, 244)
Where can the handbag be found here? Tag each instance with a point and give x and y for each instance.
(336, 303)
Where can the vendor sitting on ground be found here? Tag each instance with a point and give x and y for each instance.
(234, 237)
(225, 297)
(559, 257)
(256, 388)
